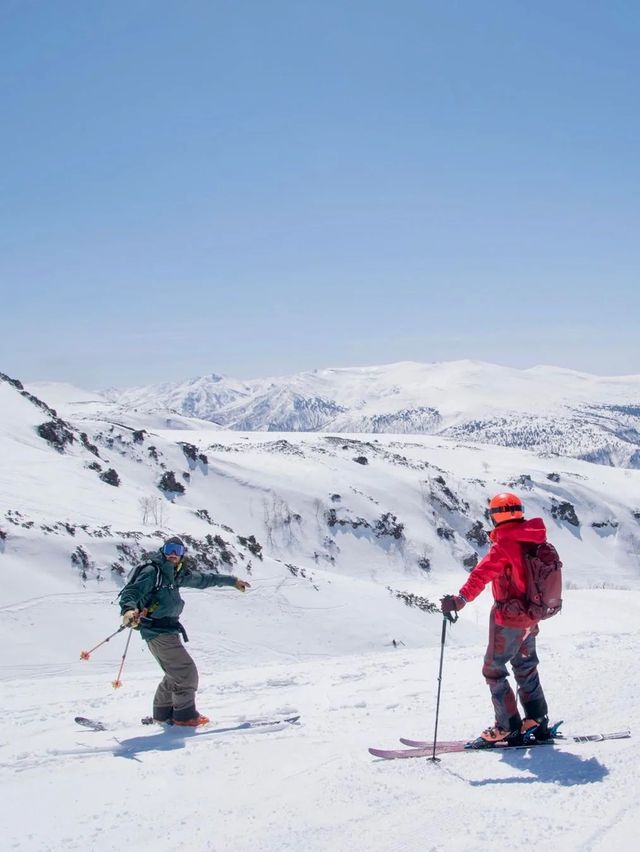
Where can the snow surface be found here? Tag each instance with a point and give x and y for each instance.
(313, 787)
(313, 636)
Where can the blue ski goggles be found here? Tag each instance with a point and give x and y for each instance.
(173, 549)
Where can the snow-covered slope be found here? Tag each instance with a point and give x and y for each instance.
(371, 530)
(347, 540)
(547, 409)
(79, 405)
(395, 510)
(315, 787)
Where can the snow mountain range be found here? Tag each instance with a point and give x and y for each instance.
(548, 410)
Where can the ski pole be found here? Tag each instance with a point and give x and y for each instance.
(448, 617)
(84, 655)
(117, 683)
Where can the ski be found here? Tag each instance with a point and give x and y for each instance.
(426, 749)
(92, 724)
(403, 753)
(553, 734)
(239, 726)
(428, 743)
(248, 724)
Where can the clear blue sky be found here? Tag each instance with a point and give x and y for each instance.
(257, 187)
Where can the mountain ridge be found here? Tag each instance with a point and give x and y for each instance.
(551, 410)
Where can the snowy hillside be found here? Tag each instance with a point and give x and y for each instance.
(347, 540)
(545, 409)
(393, 509)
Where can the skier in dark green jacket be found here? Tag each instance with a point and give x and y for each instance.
(152, 603)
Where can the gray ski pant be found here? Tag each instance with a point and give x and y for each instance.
(175, 696)
(517, 646)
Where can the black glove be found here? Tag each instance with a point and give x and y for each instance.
(451, 603)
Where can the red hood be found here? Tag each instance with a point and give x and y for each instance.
(532, 530)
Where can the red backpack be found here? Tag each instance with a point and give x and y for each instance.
(544, 580)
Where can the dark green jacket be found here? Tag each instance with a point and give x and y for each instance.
(157, 589)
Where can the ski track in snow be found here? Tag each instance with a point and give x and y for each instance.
(314, 787)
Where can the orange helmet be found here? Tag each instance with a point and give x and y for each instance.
(505, 507)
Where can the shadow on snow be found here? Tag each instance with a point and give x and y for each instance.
(169, 739)
(549, 767)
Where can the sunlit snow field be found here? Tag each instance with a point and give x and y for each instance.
(313, 636)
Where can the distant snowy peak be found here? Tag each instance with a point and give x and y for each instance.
(547, 409)
(282, 409)
(203, 397)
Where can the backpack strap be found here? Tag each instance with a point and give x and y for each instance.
(136, 573)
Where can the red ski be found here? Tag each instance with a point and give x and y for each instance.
(425, 749)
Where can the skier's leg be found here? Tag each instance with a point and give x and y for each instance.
(162, 700)
(180, 682)
(525, 670)
(503, 644)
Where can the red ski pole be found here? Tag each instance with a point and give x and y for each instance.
(84, 655)
(117, 683)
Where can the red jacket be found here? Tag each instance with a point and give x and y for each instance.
(504, 568)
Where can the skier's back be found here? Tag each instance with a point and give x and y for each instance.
(512, 633)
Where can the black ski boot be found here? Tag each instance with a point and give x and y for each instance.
(535, 731)
(497, 737)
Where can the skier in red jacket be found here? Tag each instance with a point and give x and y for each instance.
(512, 635)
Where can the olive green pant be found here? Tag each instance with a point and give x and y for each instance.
(175, 696)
